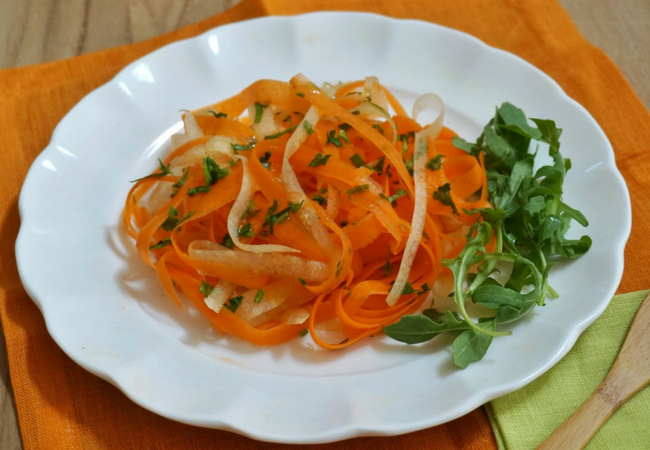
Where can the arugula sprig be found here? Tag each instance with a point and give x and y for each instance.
(528, 221)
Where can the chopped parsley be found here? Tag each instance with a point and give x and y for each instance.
(233, 303)
(198, 190)
(264, 160)
(164, 170)
(160, 244)
(277, 135)
(359, 189)
(308, 127)
(259, 296)
(295, 207)
(395, 196)
(332, 139)
(250, 211)
(227, 241)
(246, 230)
(444, 197)
(274, 217)
(172, 220)
(434, 163)
(388, 267)
(377, 165)
(319, 199)
(357, 160)
(212, 172)
(259, 111)
(319, 160)
(206, 288)
(243, 147)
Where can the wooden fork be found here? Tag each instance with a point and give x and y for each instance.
(629, 374)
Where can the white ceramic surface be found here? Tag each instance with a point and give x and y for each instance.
(106, 310)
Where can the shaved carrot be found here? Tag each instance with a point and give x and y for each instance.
(343, 208)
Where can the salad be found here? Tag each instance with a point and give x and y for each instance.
(291, 206)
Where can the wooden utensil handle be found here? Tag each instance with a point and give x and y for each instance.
(576, 432)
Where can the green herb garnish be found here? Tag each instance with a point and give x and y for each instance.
(444, 197)
(319, 160)
(160, 244)
(264, 160)
(243, 147)
(359, 189)
(434, 163)
(357, 160)
(259, 111)
(233, 303)
(172, 220)
(227, 241)
(528, 221)
(259, 295)
(332, 139)
(206, 288)
(277, 135)
(319, 199)
(395, 196)
(246, 230)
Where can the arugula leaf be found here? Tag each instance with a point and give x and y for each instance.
(413, 329)
(471, 345)
(528, 221)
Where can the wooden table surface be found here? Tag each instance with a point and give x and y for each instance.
(35, 31)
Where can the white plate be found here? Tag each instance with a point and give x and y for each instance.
(106, 310)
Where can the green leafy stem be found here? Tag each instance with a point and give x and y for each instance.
(528, 221)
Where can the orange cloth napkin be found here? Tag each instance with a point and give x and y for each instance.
(61, 406)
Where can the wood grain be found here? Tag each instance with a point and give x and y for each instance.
(629, 374)
(36, 31)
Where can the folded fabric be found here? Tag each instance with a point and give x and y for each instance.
(523, 419)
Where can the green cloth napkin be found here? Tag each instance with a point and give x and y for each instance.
(523, 419)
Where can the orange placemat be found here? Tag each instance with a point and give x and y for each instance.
(62, 406)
